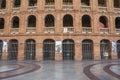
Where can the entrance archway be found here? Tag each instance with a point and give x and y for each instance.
(1, 45)
(118, 49)
(49, 49)
(68, 49)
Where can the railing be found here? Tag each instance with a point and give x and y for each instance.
(104, 30)
(14, 30)
(2, 11)
(86, 8)
(102, 9)
(68, 30)
(117, 31)
(32, 8)
(1, 31)
(67, 7)
(49, 30)
(86, 30)
(31, 29)
(117, 10)
(49, 7)
(16, 9)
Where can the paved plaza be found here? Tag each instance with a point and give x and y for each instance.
(60, 70)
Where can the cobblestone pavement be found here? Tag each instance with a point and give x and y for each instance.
(60, 70)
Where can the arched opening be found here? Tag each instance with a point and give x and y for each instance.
(2, 23)
(30, 49)
(116, 3)
(118, 49)
(102, 3)
(1, 47)
(67, 2)
(105, 49)
(85, 2)
(49, 21)
(103, 23)
(3, 4)
(17, 3)
(49, 49)
(67, 21)
(32, 2)
(15, 22)
(87, 49)
(86, 21)
(68, 49)
(13, 50)
(117, 23)
(32, 21)
(49, 2)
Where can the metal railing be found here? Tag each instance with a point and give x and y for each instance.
(32, 8)
(86, 30)
(31, 29)
(104, 30)
(67, 7)
(102, 9)
(49, 30)
(68, 30)
(14, 30)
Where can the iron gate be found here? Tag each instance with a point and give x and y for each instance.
(13, 50)
(30, 50)
(49, 49)
(68, 50)
(1, 45)
(105, 49)
(87, 50)
(118, 49)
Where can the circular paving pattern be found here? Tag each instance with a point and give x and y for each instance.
(111, 69)
(15, 69)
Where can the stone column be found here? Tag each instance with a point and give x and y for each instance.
(96, 50)
(7, 25)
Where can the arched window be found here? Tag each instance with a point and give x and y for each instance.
(2, 4)
(87, 49)
(15, 22)
(1, 47)
(49, 2)
(86, 21)
(85, 2)
(117, 23)
(102, 3)
(49, 49)
(49, 21)
(105, 49)
(67, 2)
(68, 49)
(118, 48)
(17, 3)
(67, 21)
(103, 23)
(116, 3)
(32, 2)
(31, 21)
(13, 49)
(2, 23)
(30, 49)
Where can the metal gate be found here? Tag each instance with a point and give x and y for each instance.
(49, 49)
(118, 49)
(105, 49)
(68, 50)
(87, 50)
(30, 49)
(13, 50)
(1, 45)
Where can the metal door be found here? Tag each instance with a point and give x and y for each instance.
(105, 49)
(1, 45)
(30, 50)
(49, 49)
(13, 50)
(68, 50)
(118, 49)
(87, 50)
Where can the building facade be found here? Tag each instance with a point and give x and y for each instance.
(59, 29)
